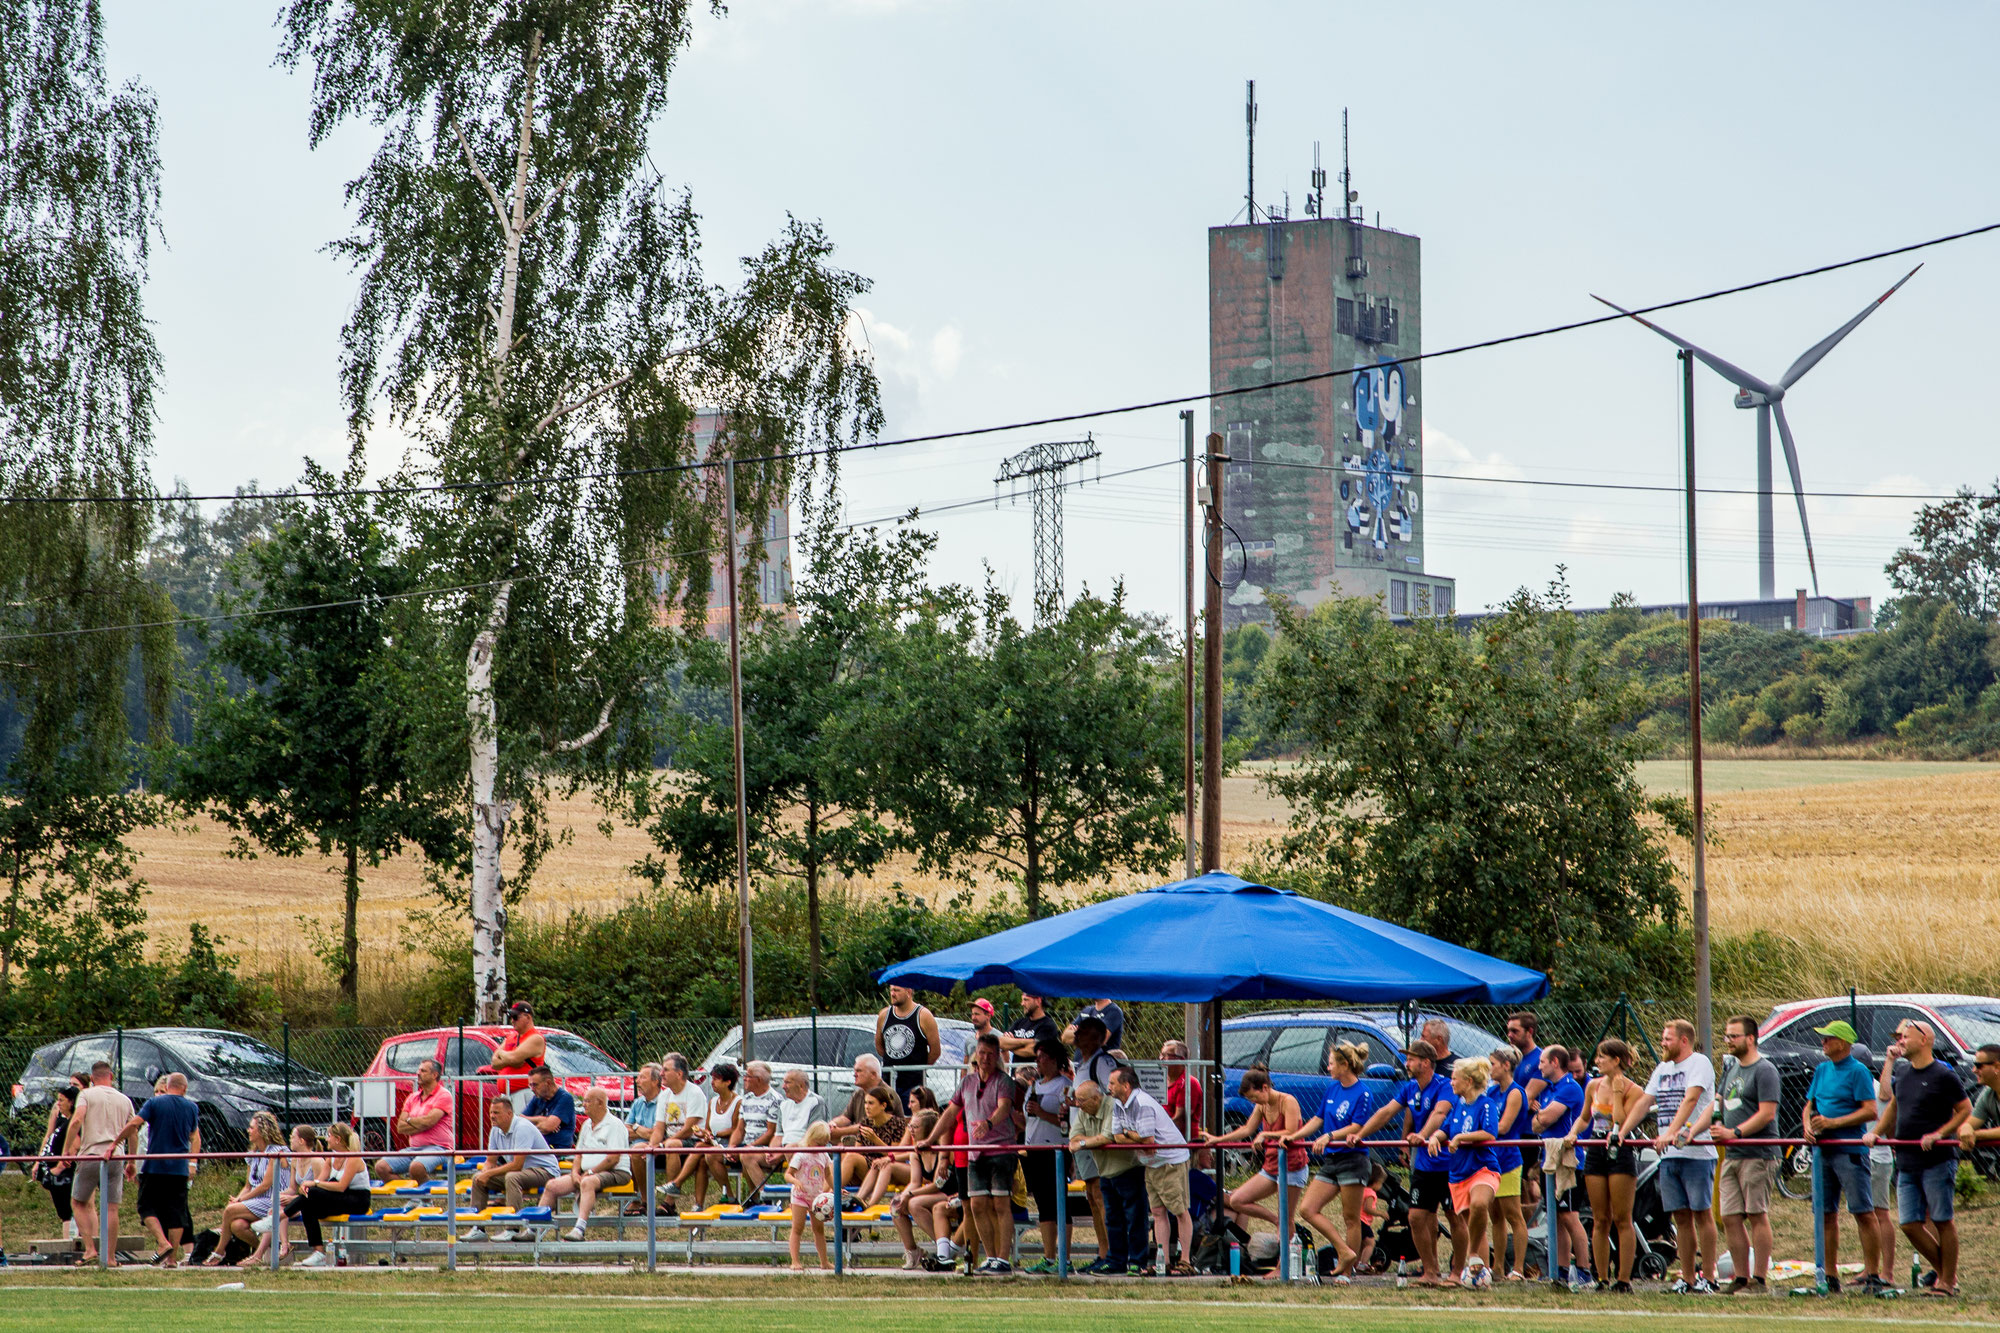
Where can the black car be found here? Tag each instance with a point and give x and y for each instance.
(231, 1076)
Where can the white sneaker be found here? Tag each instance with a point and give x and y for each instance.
(506, 1235)
(574, 1233)
(262, 1226)
(474, 1236)
(317, 1259)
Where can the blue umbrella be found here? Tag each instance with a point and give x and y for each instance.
(1217, 937)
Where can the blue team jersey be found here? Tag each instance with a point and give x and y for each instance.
(1344, 1107)
(1507, 1159)
(1528, 1070)
(1421, 1102)
(1568, 1094)
(1477, 1114)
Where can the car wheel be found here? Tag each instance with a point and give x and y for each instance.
(1795, 1173)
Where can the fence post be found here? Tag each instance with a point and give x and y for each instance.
(1284, 1231)
(119, 1057)
(632, 1028)
(274, 1156)
(815, 1042)
(652, 1219)
(105, 1212)
(451, 1190)
(1819, 1228)
(1853, 1011)
(1550, 1163)
(288, 1088)
(1062, 1215)
(839, 1188)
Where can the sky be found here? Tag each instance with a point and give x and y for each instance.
(1028, 188)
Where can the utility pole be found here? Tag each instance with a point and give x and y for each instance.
(1191, 1015)
(1704, 1036)
(743, 952)
(1211, 752)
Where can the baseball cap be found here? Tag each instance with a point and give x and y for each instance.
(983, 1003)
(1422, 1049)
(519, 1007)
(1840, 1028)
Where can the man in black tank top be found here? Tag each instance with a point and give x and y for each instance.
(906, 1040)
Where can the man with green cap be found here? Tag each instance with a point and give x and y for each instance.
(1840, 1108)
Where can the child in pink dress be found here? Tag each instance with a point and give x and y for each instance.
(811, 1177)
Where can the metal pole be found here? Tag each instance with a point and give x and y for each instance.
(104, 1237)
(275, 1154)
(451, 1189)
(839, 1187)
(119, 1058)
(1704, 1034)
(1549, 1165)
(652, 1218)
(1819, 1228)
(815, 1041)
(632, 1033)
(1284, 1232)
(1062, 1215)
(748, 1001)
(1190, 1014)
(1211, 752)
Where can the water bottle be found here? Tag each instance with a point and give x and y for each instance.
(1402, 1276)
(1235, 1258)
(1916, 1272)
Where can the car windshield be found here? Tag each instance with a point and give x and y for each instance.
(227, 1055)
(1978, 1024)
(573, 1057)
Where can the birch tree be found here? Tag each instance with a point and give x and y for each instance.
(534, 313)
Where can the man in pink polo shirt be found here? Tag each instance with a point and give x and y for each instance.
(425, 1124)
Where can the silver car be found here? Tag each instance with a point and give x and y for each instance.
(827, 1047)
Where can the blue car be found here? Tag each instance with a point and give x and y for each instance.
(1293, 1045)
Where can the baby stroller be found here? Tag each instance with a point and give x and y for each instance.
(1652, 1227)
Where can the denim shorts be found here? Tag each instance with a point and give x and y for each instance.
(1839, 1172)
(400, 1166)
(1687, 1184)
(1294, 1179)
(1925, 1194)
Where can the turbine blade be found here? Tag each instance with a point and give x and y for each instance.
(1824, 345)
(1736, 375)
(1798, 490)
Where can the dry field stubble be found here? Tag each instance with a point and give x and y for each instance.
(1888, 883)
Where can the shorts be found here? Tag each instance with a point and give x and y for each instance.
(955, 1182)
(1531, 1160)
(1572, 1200)
(1687, 1184)
(1430, 1191)
(1925, 1194)
(84, 1186)
(166, 1198)
(1167, 1188)
(991, 1174)
(610, 1180)
(1296, 1179)
(1509, 1186)
(1839, 1173)
(1744, 1184)
(394, 1167)
(1461, 1190)
(1882, 1181)
(1344, 1168)
(1601, 1161)
(1043, 1185)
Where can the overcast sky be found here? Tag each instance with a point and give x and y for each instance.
(1028, 187)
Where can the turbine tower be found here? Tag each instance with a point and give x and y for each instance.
(1043, 466)
(1769, 400)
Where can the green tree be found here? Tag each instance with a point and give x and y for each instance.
(810, 815)
(1051, 755)
(320, 747)
(1954, 554)
(534, 311)
(79, 195)
(1477, 789)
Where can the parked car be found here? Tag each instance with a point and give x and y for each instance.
(578, 1064)
(1963, 1023)
(230, 1075)
(1293, 1045)
(789, 1043)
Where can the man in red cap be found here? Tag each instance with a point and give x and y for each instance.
(526, 1049)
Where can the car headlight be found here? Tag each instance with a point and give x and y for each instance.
(248, 1105)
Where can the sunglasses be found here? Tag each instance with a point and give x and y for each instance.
(1985, 1064)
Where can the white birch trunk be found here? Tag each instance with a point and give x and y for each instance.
(489, 821)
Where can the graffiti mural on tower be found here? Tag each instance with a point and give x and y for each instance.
(1380, 463)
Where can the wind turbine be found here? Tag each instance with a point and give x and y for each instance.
(1769, 400)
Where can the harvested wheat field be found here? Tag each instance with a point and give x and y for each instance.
(1884, 874)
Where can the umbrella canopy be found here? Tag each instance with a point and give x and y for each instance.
(1217, 937)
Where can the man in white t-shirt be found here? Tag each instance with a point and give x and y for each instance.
(601, 1139)
(681, 1104)
(797, 1109)
(1681, 1093)
(757, 1128)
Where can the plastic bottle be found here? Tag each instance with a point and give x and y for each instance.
(1235, 1259)
(1402, 1276)
(1916, 1272)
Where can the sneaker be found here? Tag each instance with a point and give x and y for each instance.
(1755, 1286)
(1737, 1286)
(671, 1189)
(932, 1264)
(1832, 1284)
(1100, 1265)
(1929, 1279)
(1680, 1288)
(574, 1233)
(1621, 1289)
(317, 1259)
(1040, 1266)
(262, 1226)
(474, 1236)
(999, 1267)
(913, 1261)
(1136, 1270)
(507, 1235)
(1580, 1276)
(1703, 1287)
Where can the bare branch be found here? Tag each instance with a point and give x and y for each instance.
(603, 725)
(492, 195)
(542, 209)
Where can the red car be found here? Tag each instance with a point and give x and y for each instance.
(392, 1075)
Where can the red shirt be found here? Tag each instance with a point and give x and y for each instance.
(1183, 1104)
(514, 1039)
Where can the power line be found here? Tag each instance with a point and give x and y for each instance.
(1624, 485)
(834, 450)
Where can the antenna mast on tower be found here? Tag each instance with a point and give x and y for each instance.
(1357, 265)
(1250, 131)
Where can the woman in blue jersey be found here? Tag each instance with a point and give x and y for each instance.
(1343, 1171)
(1472, 1166)
(1510, 1121)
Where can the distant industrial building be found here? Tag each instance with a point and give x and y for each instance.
(1324, 492)
(1821, 617)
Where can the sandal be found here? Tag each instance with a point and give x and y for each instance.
(1183, 1270)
